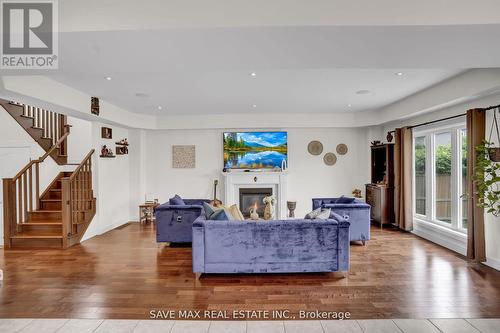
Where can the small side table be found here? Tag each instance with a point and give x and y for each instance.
(146, 212)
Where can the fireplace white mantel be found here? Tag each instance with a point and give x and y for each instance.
(277, 181)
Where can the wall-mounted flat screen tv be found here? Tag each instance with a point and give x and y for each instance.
(255, 150)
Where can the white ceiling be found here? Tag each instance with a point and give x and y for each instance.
(276, 91)
(194, 57)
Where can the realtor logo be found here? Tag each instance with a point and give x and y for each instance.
(29, 34)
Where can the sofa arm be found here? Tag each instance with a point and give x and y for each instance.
(343, 246)
(198, 248)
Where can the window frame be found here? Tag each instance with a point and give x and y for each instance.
(429, 133)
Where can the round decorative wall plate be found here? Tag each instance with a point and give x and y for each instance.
(342, 149)
(330, 159)
(315, 148)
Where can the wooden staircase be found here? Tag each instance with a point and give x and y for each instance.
(44, 126)
(59, 216)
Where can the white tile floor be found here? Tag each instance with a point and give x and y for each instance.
(313, 326)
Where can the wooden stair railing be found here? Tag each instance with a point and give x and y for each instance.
(22, 194)
(44, 126)
(22, 203)
(78, 202)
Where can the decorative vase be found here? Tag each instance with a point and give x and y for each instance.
(291, 205)
(269, 209)
(268, 212)
(253, 213)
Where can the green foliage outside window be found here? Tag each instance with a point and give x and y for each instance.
(443, 158)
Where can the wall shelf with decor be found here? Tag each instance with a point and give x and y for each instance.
(107, 156)
(123, 142)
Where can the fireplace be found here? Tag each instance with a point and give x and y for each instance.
(252, 197)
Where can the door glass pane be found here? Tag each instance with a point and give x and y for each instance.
(442, 156)
(463, 176)
(420, 150)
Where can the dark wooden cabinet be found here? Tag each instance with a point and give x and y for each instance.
(380, 192)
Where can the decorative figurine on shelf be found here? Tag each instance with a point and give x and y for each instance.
(389, 136)
(253, 213)
(291, 205)
(269, 201)
(105, 152)
(356, 193)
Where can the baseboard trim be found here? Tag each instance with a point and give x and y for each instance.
(436, 234)
(493, 263)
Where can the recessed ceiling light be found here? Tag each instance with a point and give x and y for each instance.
(349, 105)
(362, 92)
(254, 105)
(253, 74)
(399, 74)
(109, 78)
(142, 95)
(160, 107)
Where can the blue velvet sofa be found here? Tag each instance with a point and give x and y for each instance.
(275, 246)
(174, 222)
(356, 212)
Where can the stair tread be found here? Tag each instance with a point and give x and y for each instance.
(46, 211)
(36, 127)
(25, 116)
(42, 223)
(33, 235)
(58, 221)
(53, 200)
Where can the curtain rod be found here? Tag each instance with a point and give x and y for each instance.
(448, 118)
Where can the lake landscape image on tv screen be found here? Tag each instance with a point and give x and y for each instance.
(254, 150)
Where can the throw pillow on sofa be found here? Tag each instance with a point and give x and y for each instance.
(219, 214)
(324, 215)
(236, 213)
(319, 214)
(313, 214)
(176, 200)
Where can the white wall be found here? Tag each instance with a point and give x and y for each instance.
(111, 183)
(308, 176)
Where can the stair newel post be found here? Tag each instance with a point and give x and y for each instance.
(37, 185)
(9, 210)
(66, 211)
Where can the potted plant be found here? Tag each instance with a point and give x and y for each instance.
(487, 179)
(494, 152)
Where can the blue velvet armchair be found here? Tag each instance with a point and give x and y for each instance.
(174, 222)
(356, 212)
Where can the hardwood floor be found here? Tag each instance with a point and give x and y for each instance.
(123, 274)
